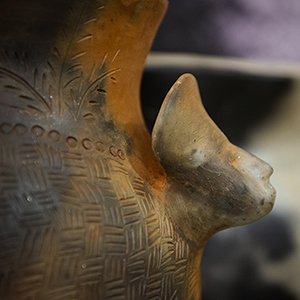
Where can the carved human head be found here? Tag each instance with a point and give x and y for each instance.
(216, 182)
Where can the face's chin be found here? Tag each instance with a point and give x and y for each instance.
(254, 174)
(255, 204)
(238, 194)
(264, 194)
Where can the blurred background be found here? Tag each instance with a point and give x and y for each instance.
(246, 58)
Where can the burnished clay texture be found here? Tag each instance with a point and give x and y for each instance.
(90, 208)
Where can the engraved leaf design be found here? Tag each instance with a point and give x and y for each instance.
(93, 85)
(63, 77)
(71, 79)
(25, 91)
(65, 67)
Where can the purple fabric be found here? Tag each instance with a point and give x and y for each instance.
(262, 29)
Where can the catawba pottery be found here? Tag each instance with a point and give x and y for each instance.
(90, 208)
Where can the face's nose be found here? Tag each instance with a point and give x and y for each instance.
(249, 163)
(267, 170)
(259, 167)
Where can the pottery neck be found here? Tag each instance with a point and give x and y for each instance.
(128, 32)
(122, 41)
(82, 55)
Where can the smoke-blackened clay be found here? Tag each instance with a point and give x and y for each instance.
(90, 208)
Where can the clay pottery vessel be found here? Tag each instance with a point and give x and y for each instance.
(90, 207)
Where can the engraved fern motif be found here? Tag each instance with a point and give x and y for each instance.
(63, 84)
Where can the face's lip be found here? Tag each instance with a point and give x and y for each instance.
(274, 192)
(267, 197)
(266, 177)
(271, 171)
(268, 171)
